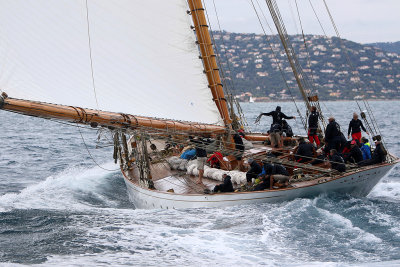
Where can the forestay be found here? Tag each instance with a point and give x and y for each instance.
(145, 60)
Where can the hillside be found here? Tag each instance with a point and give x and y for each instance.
(393, 47)
(250, 67)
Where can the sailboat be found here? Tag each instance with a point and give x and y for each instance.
(147, 73)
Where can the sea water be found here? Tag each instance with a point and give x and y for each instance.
(61, 206)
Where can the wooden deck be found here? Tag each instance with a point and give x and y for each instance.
(165, 179)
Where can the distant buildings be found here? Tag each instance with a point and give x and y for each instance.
(256, 66)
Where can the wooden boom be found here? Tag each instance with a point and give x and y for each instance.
(103, 118)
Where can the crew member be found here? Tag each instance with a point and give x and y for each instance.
(226, 186)
(355, 155)
(275, 135)
(337, 162)
(313, 126)
(215, 160)
(333, 135)
(304, 152)
(378, 156)
(201, 155)
(355, 127)
(286, 129)
(254, 171)
(365, 148)
(277, 116)
(239, 146)
(276, 172)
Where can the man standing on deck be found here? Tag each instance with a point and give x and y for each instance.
(239, 149)
(201, 155)
(277, 116)
(355, 127)
(313, 126)
(333, 135)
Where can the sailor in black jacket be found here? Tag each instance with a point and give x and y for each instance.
(313, 126)
(337, 162)
(254, 171)
(225, 187)
(277, 116)
(201, 155)
(305, 151)
(333, 135)
(355, 127)
(355, 155)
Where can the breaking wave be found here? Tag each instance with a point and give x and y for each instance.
(75, 188)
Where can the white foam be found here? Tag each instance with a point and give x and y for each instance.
(388, 189)
(61, 191)
(345, 225)
(157, 238)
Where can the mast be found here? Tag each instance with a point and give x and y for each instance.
(102, 118)
(288, 53)
(209, 58)
(300, 76)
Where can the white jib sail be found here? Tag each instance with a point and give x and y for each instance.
(145, 60)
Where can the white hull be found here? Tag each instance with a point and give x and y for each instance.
(358, 183)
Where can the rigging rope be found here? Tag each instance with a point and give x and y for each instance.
(235, 152)
(278, 63)
(306, 86)
(181, 138)
(300, 76)
(90, 154)
(366, 103)
(315, 13)
(83, 140)
(90, 53)
(238, 107)
(313, 90)
(226, 88)
(292, 16)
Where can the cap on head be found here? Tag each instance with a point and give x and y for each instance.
(353, 142)
(278, 108)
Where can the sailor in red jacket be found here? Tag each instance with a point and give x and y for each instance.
(215, 160)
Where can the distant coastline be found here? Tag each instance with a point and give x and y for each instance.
(329, 100)
(254, 67)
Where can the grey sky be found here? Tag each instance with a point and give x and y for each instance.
(362, 21)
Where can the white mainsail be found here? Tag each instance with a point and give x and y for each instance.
(145, 60)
